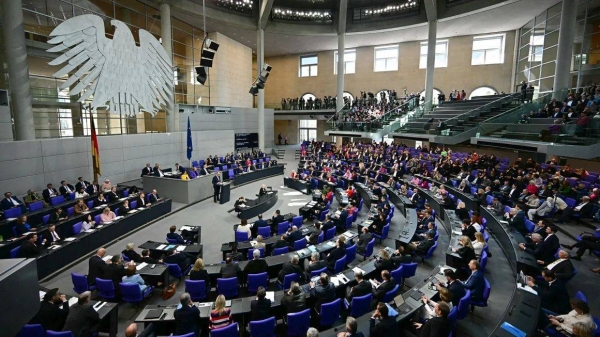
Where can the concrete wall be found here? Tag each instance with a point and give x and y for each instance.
(240, 120)
(33, 164)
(6, 131)
(289, 128)
(460, 74)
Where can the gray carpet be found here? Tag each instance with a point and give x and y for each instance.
(217, 228)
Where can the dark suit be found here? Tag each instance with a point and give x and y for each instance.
(81, 184)
(458, 291)
(187, 320)
(256, 267)
(436, 327)
(314, 237)
(294, 236)
(7, 204)
(289, 268)
(384, 287)
(147, 171)
(46, 194)
(216, 188)
(385, 328)
(229, 270)
(157, 172)
(111, 196)
(341, 222)
(564, 270)
(123, 210)
(30, 249)
(115, 273)
(132, 255)
(424, 246)
(314, 266)
(324, 294)
(383, 264)
(179, 259)
(470, 232)
(63, 190)
(153, 198)
(93, 189)
(82, 320)
(260, 309)
(50, 239)
(277, 219)
(360, 289)
(363, 240)
(176, 236)
(518, 222)
(476, 283)
(141, 202)
(336, 254)
(554, 296)
(51, 316)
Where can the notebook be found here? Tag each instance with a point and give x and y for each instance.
(153, 314)
(513, 330)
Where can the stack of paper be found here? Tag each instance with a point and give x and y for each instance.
(72, 300)
(141, 265)
(99, 226)
(133, 210)
(99, 305)
(54, 247)
(374, 284)
(186, 228)
(335, 281)
(527, 288)
(161, 247)
(11, 219)
(271, 295)
(180, 248)
(89, 230)
(108, 222)
(356, 270)
(107, 257)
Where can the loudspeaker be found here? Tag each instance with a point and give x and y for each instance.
(206, 62)
(210, 44)
(201, 72)
(208, 54)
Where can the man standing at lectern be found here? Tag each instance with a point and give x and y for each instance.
(216, 181)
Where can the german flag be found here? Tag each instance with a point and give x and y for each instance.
(95, 150)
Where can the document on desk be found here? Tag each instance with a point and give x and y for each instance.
(356, 270)
(186, 228)
(335, 281)
(42, 294)
(141, 265)
(132, 211)
(331, 243)
(99, 226)
(141, 208)
(99, 305)
(90, 230)
(108, 222)
(101, 206)
(72, 300)
(527, 288)
(374, 284)
(107, 257)
(271, 296)
(161, 247)
(54, 247)
(181, 248)
(11, 219)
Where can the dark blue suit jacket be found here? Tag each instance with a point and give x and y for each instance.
(476, 283)
(215, 181)
(176, 236)
(458, 291)
(7, 204)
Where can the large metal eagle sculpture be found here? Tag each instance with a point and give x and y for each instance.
(122, 77)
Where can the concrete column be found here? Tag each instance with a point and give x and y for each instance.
(165, 32)
(431, 41)
(564, 54)
(341, 48)
(18, 71)
(260, 61)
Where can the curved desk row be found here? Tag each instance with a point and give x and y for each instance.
(297, 184)
(259, 205)
(401, 201)
(181, 191)
(366, 193)
(248, 177)
(470, 201)
(52, 260)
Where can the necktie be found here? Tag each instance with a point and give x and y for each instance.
(55, 236)
(14, 202)
(67, 188)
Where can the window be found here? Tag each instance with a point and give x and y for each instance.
(488, 50)
(536, 46)
(434, 98)
(441, 55)
(386, 58)
(308, 66)
(483, 91)
(349, 62)
(308, 129)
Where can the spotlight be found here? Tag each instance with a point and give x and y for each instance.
(201, 72)
(209, 48)
(254, 90)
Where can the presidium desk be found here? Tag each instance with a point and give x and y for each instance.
(181, 191)
(259, 205)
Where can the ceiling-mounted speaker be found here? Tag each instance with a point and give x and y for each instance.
(210, 44)
(201, 72)
(206, 62)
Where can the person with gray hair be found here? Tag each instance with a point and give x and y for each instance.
(545, 208)
(187, 316)
(312, 332)
(315, 263)
(534, 247)
(294, 300)
(351, 329)
(294, 236)
(82, 320)
(130, 253)
(291, 267)
(256, 265)
(563, 267)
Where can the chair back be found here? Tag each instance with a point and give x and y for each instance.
(298, 323)
(90, 204)
(125, 258)
(330, 233)
(351, 253)
(452, 320)
(370, 247)
(300, 244)
(14, 253)
(77, 228)
(297, 221)
(282, 227)
(50, 333)
(37, 205)
(360, 205)
(241, 236)
(12, 213)
(318, 272)
(330, 312)
(97, 219)
(196, 289)
(229, 331)
(280, 251)
(288, 279)
(172, 241)
(257, 280)
(174, 270)
(483, 261)
(431, 250)
(349, 221)
(340, 265)
(106, 288)
(389, 296)
(581, 296)
(265, 232)
(251, 253)
(70, 211)
(32, 330)
(80, 283)
(321, 237)
(133, 204)
(529, 225)
(131, 292)
(57, 200)
(263, 328)
(227, 287)
(361, 305)
(398, 275)
(323, 214)
(384, 232)
(463, 305)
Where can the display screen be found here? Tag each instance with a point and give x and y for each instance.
(246, 140)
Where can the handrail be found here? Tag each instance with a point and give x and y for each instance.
(330, 118)
(485, 106)
(548, 93)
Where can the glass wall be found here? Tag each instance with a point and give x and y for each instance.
(538, 45)
(56, 114)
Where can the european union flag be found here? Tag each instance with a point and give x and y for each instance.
(189, 141)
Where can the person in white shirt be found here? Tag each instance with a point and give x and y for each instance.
(579, 314)
(88, 223)
(478, 244)
(81, 193)
(428, 310)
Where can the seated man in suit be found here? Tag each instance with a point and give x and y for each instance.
(112, 195)
(32, 196)
(313, 239)
(328, 224)
(230, 268)
(383, 287)
(438, 325)
(420, 235)
(552, 291)
(96, 266)
(203, 171)
(174, 257)
(81, 183)
(124, 208)
(476, 282)
(341, 221)
(57, 216)
(454, 285)
(93, 188)
(421, 248)
(115, 271)
(294, 235)
(496, 207)
(258, 224)
(179, 169)
(101, 200)
(263, 190)
(49, 192)
(146, 258)
(30, 248)
(323, 291)
(153, 197)
(387, 325)
(361, 288)
(276, 219)
(147, 171)
(290, 267)
(53, 311)
(256, 265)
(337, 253)
(363, 240)
(52, 237)
(516, 219)
(66, 189)
(234, 254)
(563, 267)
(158, 171)
(193, 173)
(315, 263)
(173, 235)
(10, 201)
(82, 320)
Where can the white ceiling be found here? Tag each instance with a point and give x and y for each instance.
(509, 16)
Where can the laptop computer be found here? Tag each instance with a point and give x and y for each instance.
(401, 305)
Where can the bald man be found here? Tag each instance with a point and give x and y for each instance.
(97, 266)
(131, 331)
